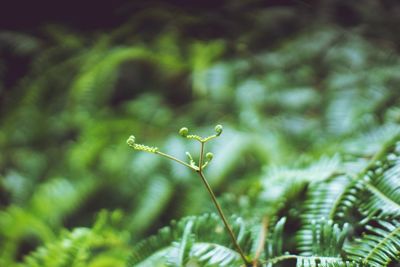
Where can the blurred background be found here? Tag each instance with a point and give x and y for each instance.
(292, 82)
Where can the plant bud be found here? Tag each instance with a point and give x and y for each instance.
(209, 156)
(218, 129)
(131, 140)
(184, 131)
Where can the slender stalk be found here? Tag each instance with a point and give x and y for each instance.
(261, 241)
(201, 156)
(177, 160)
(221, 214)
(209, 138)
(199, 169)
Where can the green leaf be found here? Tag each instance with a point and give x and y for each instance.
(378, 246)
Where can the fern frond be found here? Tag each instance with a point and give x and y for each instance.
(180, 251)
(283, 184)
(68, 252)
(98, 73)
(274, 244)
(84, 247)
(213, 254)
(370, 143)
(379, 246)
(151, 201)
(200, 239)
(325, 238)
(154, 248)
(325, 242)
(375, 192)
(56, 198)
(321, 198)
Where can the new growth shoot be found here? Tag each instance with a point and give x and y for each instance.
(197, 167)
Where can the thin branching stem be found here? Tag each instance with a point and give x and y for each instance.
(204, 140)
(219, 209)
(177, 160)
(199, 170)
(201, 158)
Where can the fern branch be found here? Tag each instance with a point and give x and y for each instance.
(378, 247)
(375, 191)
(215, 254)
(167, 244)
(379, 194)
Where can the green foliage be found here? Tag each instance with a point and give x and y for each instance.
(378, 246)
(101, 245)
(198, 240)
(307, 168)
(374, 191)
(319, 240)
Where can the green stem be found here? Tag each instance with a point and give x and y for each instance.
(201, 156)
(221, 214)
(177, 160)
(209, 138)
(199, 170)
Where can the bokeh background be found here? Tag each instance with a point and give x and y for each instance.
(292, 82)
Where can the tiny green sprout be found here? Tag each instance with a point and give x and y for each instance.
(184, 131)
(191, 161)
(218, 129)
(209, 157)
(131, 143)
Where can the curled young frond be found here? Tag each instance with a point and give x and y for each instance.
(192, 162)
(209, 157)
(131, 143)
(218, 129)
(195, 136)
(184, 132)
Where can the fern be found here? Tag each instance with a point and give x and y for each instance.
(281, 185)
(321, 198)
(301, 169)
(150, 204)
(274, 246)
(211, 254)
(46, 210)
(180, 251)
(327, 240)
(378, 246)
(320, 240)
(374, 190)
(201, 239)
(101, 244)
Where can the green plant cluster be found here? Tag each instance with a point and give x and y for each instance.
(307, 168)
(346, 219)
